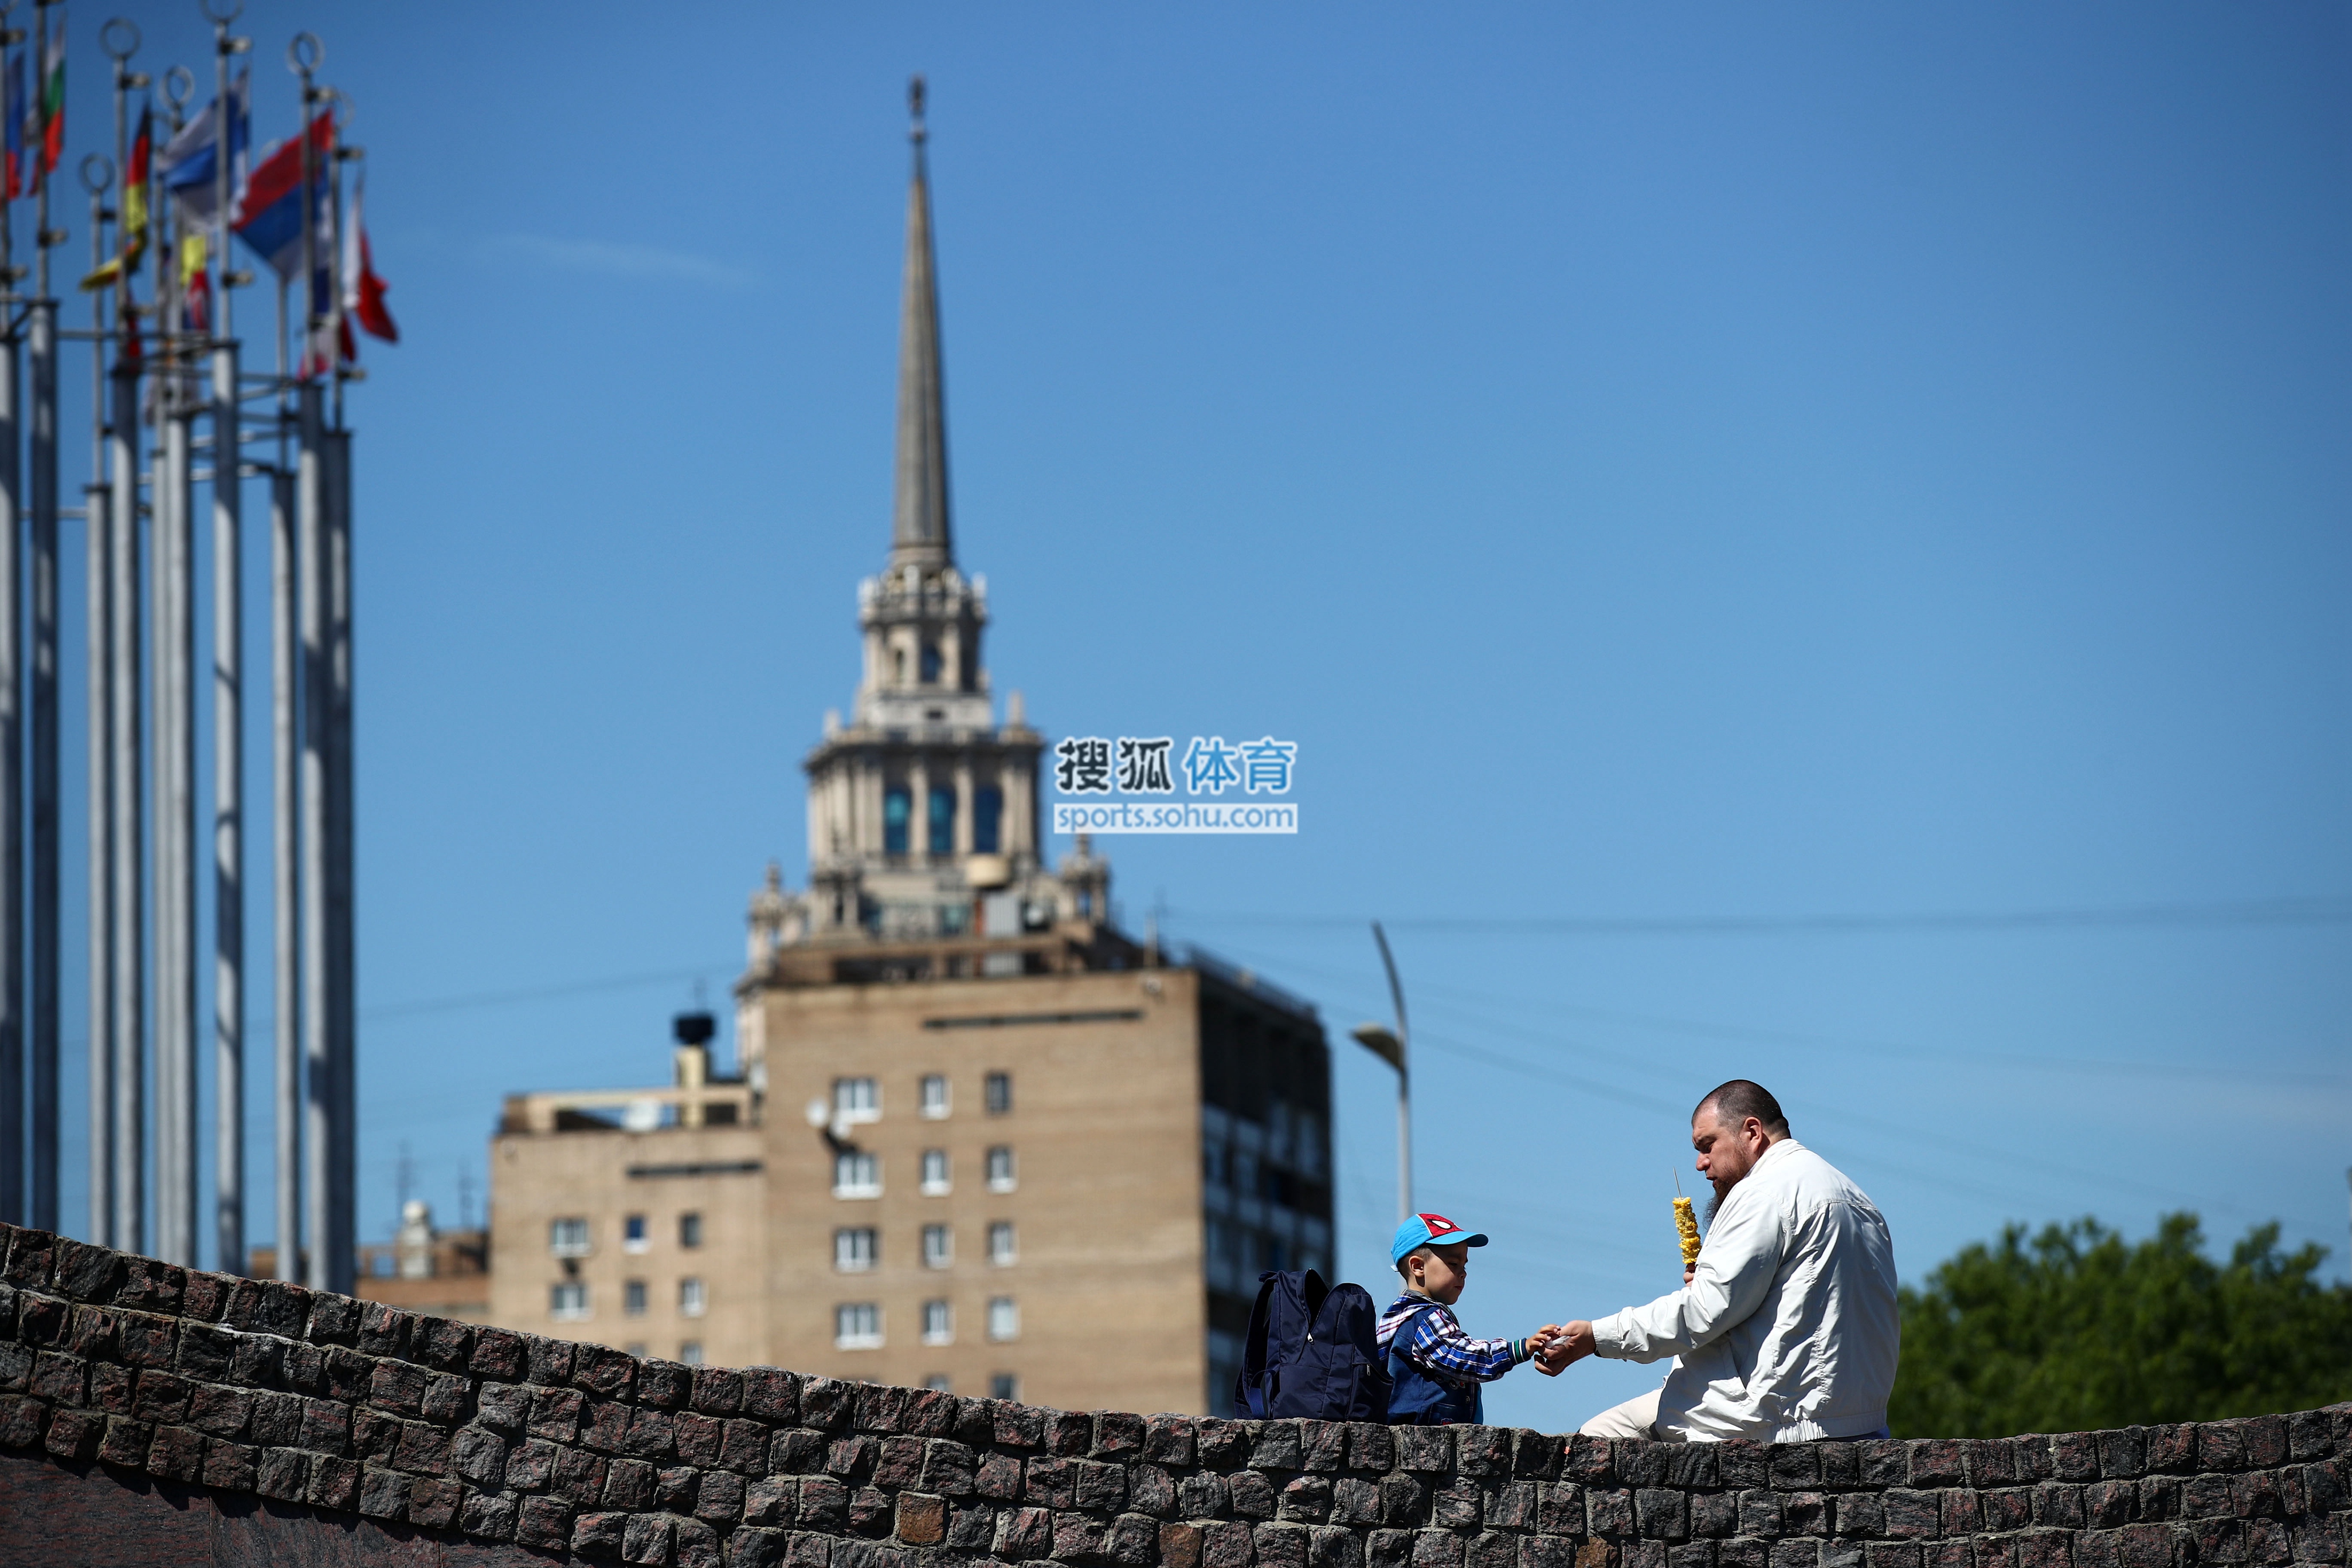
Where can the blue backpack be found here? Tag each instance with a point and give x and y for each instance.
(1312, 1351)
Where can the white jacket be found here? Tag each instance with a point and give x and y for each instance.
(1788, 1332)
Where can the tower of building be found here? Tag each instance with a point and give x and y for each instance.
(923, 809)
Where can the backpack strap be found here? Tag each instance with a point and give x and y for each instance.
(1397, 1366)
(1249, 1389)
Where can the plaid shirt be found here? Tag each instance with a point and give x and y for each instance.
(1436, 1344)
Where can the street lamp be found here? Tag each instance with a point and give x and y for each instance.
(1390, 1046)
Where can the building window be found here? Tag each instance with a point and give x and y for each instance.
(568, 1237)
(1002, 1248)
(939, 1324)
(637, 1348)
(857, 1326)
(568, 1302)
(1306, 1152)
(857, 1174)
(1004, 1385)
(693, 1300)
(1003, 1320)
(635, 1235)
(935, 1097)
(856, 1250)
(690, 1230)
(938, 1246)
(939, 1381)
(987, 811)
(1001, 1176)
(942, 820)
(690, 1352)
(856, 1100)
(930, 664)
(633, 1298)
(935, 1174)
(896, 808)
(1000, 1093)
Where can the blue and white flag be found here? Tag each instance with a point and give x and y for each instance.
(188, 164)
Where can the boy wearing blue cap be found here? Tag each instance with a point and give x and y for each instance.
(1435, 1368)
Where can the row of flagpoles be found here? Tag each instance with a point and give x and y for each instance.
(169, 363)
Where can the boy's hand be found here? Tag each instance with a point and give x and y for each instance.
(1690, 1272)
(1535, 1343)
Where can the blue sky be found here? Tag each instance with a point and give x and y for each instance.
(1696, 463)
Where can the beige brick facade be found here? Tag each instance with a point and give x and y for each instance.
(1058, 1249)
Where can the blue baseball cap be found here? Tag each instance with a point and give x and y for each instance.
(1430, 1230)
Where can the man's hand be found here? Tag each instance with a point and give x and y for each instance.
(1690, 1272)
(1574, 1342)
(1535, 1343)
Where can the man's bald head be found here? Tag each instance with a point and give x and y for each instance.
(1736, 1101)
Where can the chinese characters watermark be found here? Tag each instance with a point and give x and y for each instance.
(1149, 765)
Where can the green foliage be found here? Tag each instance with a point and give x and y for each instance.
(2074, 1330)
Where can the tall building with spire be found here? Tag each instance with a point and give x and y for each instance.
(974, 1135)
(922, 810)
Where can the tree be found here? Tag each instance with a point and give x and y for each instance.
(2075, 1331)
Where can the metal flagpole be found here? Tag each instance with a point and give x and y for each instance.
(121, 39)
(175, 779)
(228, 656)
(97, 175)
(12, 735)
(285, 858)
(41, 331)
(343, 1022)
(320, 1133)
(286, 855)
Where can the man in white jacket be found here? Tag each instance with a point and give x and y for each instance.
(1785, 1329)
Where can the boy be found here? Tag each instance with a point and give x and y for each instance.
(1434, 1367)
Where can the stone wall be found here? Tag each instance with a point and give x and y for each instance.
(154, 1414)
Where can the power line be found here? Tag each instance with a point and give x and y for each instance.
(2281, 911)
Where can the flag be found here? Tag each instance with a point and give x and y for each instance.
(363, 291)
(270, 218)
(189, 163)
(118, 265)
(51, 113)
(329, 343)
(195, 283)
(12, 111)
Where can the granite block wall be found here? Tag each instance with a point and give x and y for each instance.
(298, 1426)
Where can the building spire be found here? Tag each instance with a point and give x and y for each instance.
(918, 533)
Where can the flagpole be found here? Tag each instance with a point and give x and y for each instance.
(286, 849)
(119, 39)
(175, 782)
(322, 1135)
(47, 973)
(12, 734)
(343, 1022)
(228, 656)
(97, 175)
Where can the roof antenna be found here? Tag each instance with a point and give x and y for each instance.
(914, 106)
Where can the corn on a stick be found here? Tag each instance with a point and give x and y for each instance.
(1686, 1222)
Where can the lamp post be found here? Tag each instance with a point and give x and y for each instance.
(1390, 1046)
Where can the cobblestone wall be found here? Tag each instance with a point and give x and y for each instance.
(333, 1412)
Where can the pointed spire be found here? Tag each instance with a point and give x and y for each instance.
(919, 532)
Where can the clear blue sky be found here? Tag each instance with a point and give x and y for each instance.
(1697, 462)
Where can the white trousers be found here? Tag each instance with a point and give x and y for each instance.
(1637, 1418)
